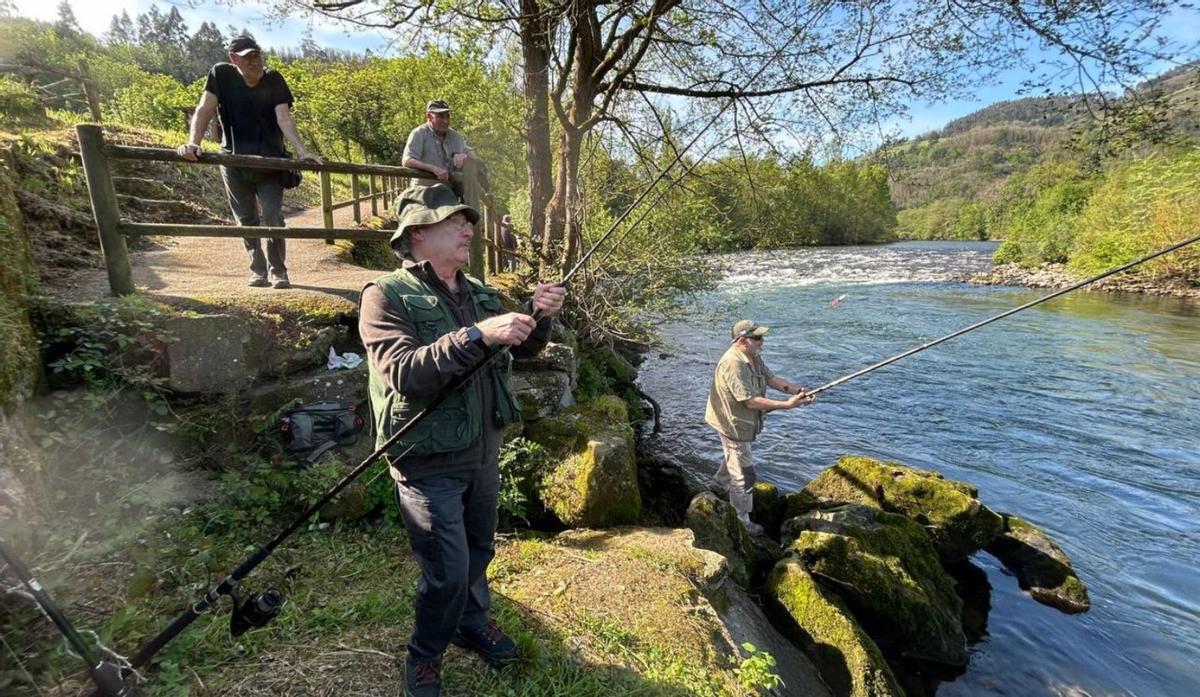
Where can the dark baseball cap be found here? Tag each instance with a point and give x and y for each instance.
(437, 106)
(748, 329)
(243, 44)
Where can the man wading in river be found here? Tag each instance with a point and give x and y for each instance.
(423, 325)
(736, 404)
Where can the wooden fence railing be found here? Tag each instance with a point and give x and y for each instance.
(382, 183)
(87, 95)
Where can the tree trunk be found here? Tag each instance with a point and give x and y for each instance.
(535, 50)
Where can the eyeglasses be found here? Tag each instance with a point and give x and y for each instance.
(754, 338)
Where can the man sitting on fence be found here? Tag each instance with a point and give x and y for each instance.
(255, 105)
(435, 147)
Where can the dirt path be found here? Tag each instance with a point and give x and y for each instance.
(216, 270)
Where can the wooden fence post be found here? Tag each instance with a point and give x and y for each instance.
(354, 194)
(472, 196)
(326, 200)
(374, 197)
(105, 208)
(88, 86)
(326, 204)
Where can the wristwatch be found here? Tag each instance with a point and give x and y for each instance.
(475, 336)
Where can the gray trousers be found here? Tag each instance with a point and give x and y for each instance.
(737, 476)
(451, 522)
(248, 190)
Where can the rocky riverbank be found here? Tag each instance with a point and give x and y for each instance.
(1056, 276)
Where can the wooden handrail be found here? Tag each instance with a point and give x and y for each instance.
(113, 230)
(130, 152)
(301, 233)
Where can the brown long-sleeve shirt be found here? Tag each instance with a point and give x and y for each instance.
(415, 369)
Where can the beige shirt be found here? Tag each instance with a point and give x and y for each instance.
(424, 145)
(738, 378)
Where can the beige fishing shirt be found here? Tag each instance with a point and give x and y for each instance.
(738, 378)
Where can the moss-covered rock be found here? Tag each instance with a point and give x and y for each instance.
(641, 599)
(950, 511)
(768, 507)
(554, 356)
(1041, 567)
(715, 526)
(594, 483)
(850, 663)
(797, 503)
(541, 393)
(885, 568)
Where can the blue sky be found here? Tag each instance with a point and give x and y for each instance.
(95, 15)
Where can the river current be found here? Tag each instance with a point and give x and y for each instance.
(1081, 415)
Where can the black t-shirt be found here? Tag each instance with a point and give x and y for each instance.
(248, 123)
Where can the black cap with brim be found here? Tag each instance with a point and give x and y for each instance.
(437, 106)
(427, 205)
(241, 45)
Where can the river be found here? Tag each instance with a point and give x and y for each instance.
(1081, 415)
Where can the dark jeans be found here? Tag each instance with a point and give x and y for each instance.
(451, 521)
(248, 190)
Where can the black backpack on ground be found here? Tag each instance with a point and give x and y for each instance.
(317, 428)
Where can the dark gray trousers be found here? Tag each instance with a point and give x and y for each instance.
(451, 521)
(248, 190)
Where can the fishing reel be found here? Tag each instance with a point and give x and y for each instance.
(255, 612)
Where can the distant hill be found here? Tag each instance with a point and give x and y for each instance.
(969, 161)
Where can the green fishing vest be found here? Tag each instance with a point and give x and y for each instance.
(457, 422)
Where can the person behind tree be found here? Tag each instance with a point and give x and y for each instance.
(423, 326)
(435, 147)
(255, 106)
(509, 241)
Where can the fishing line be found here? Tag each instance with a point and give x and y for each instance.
(1002, 315)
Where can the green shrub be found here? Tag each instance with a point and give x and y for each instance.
(1142, 206)
(19, 104)
(522, 463)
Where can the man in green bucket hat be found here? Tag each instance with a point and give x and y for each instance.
(423, 325)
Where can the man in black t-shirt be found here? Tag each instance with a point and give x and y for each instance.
(255, 106)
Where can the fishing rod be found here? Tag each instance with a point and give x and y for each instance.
(262, 607)
(105, 674)
(1002, 315)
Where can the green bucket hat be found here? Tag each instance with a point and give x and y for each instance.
(426, 205)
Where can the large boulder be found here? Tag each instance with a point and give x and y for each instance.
(219, 353)
(769, 507)
(850, 663)
(885, 568)
(541, 393)
(648, 601)
(950, 511)
(555, 356)
(715, 526)
(1041, 567)
(594, 482)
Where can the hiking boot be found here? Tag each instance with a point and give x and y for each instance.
(258, 280)
(422, 678)
(754, 529)
(280, 281)
(495, 647)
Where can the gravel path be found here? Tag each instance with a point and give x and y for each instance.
(216, 270)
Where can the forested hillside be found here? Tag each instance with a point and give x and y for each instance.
(1059, 180)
